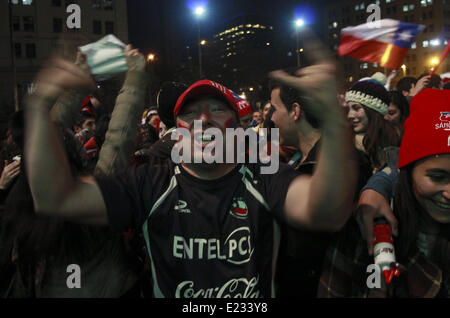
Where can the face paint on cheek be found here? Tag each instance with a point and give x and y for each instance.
(417, 191)
(181, 125)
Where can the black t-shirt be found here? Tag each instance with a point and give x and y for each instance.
(205, 238)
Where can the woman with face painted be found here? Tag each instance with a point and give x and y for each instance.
(422, 208)
(368, 103)
(422, 199)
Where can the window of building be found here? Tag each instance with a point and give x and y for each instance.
(15, 1)
(57, 25)
(96, 4)
(423, 3)
(27, 2)
(364, 66)
(425, 43)
(411, 7)
(108, 4)
(30, 50)
(56, 3)
(435, 42)
(429, 2)
(362, 6)
(394, 9)
(109, 27)
(405, 8)
(28, 23)
(18, 49)
(16, 23)
(335, 24)
(414, 45)
(97, 27)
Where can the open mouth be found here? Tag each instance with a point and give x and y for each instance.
(204, 139)
(441, 205)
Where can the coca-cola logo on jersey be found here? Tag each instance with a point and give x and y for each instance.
(234, 288)
(237, 247)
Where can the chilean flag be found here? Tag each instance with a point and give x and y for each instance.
(385, 42)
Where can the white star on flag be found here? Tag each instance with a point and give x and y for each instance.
(405, 36)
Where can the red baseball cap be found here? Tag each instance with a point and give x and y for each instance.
(207, 87)
(427, 129)
(87, 107)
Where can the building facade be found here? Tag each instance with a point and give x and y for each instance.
(240, 55)
(33, 30)
(433, 14)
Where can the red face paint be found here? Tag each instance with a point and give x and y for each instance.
(179, 125)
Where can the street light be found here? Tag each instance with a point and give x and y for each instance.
(298, 24)
(434, 61)
(150, 69)
(150, 57)
(404, 69)
(199, 11)
(202, 42)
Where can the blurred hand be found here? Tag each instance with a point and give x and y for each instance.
(370, 206)
(135, 59)
(420, 85)
(58, 75)
(316, 82)
(81, 62)
(10, 172)
(391, 76)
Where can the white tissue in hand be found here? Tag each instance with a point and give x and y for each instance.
(106, 57)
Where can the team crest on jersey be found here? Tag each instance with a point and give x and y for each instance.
(445, 121)
(239, 208)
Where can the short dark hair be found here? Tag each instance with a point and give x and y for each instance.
(401, 102)
(405, 84)
(166, 100)
(289, 96)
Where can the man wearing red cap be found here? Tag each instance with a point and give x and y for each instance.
(211, 230)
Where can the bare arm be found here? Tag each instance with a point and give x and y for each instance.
(54, 190)
(322, 201)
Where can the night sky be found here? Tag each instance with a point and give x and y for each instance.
(145, 22)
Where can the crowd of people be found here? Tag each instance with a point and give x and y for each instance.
(81, 186)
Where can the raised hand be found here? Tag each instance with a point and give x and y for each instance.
(316, 82)
(420, 85)
(81, 62)
(135, 59)
(58, 75)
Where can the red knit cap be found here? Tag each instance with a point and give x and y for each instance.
(207, 87)
(427, 129)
